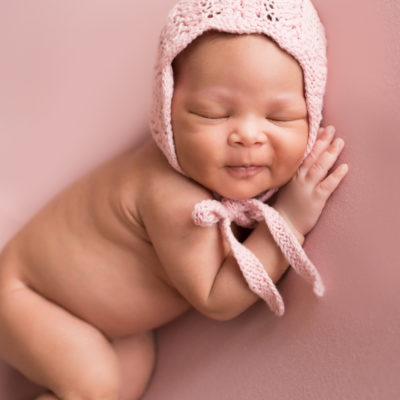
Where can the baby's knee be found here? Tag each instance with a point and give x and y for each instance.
(102, 382)
(97, 391)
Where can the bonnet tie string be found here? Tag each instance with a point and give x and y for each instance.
(247, 213)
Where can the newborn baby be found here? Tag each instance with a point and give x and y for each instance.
(117, 253)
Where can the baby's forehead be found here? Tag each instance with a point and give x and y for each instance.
(215, 51)
(206, 38)
(247, 64)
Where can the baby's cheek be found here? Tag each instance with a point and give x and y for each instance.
(182, 135)
(284, 167)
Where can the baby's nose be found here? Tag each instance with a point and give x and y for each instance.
(247, 137)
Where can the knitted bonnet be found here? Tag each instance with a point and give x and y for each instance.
(295, 26)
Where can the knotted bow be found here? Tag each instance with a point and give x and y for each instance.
(247, 213)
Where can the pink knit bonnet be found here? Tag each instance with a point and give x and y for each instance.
(295, 26)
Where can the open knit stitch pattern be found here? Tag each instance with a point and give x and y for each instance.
(295, 26)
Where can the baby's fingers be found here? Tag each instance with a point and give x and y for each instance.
(329, 185)
(323, 141)
(320, 168)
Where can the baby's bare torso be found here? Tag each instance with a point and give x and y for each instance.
(88, 252)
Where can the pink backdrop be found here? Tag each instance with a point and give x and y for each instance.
(75, 84)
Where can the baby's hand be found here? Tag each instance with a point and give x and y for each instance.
(303, 198)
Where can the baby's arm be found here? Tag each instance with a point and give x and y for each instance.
(196, 260)
(230, 294)
(300, 203)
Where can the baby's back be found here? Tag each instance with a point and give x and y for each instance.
(88, 251)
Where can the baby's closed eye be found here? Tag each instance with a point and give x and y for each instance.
(209, 115)
(286, 117)
(277, 117)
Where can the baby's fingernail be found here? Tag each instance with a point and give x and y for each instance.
(338, 143)
(331, 130)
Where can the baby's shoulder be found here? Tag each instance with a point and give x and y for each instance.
(162, 192)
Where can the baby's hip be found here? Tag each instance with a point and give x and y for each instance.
(114, 293)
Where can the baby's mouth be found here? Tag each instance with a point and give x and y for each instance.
(244, 171)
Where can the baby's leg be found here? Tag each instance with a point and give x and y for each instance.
(55, 349)
(136, 355)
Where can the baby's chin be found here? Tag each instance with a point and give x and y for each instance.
(240, 193)
(242, 184)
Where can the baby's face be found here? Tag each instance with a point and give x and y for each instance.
(239, 115)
